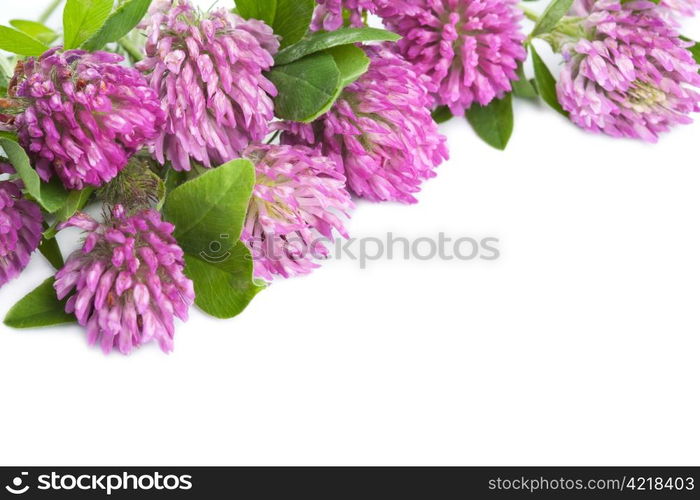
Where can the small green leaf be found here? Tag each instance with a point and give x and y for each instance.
(306, 88)
(208, 211)
(76, 201)
(118, 24)
(50, 195)
(49, 248)
(352, 63)
(325, 40)
(224, 287)
(39, 308)
(442, 114)
(20, 43)
(36, 30)
(546, 84)
(551, 16)
(494, 122)
(83, 18)
(522, 87)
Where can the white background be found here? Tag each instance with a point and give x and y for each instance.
(579, 346)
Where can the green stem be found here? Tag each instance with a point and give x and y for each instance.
(130, 49)
(49, 10)
(530, 14)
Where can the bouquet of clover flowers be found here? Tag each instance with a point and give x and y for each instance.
(220, 150)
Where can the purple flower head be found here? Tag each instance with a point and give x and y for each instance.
(20, 228)
(470, 49)
(296, 204)
(126, 284)
(85, 115)
(208, 70)
(380, 131)
(631, 75)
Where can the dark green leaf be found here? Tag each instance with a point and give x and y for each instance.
(36, 30)
(4, 134)
(208, 211)
(50, 195)
(522, 87)
(494, 122)
(442, 114)
(292, 20)
(223, 286)
(39, 308)
(82, 19)
(546, 84)
(551, 16)
(306, 88)
(352, 63)
(325, 40)
(118, 24)
(20, 43)
(49, 248)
